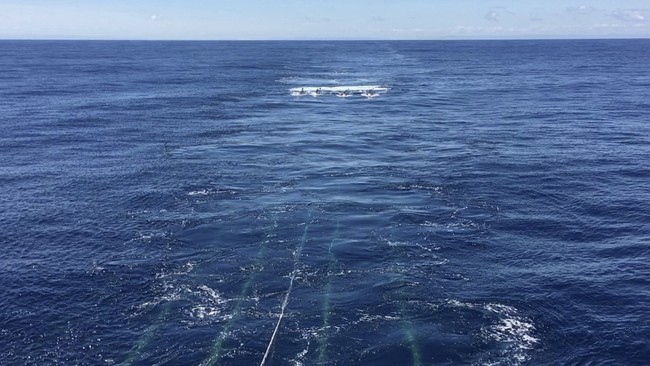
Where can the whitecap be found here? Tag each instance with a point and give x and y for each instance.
(202, 192)
(209, 304)
(514, 332)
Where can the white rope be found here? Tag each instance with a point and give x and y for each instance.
(277, 325)
(286, 297)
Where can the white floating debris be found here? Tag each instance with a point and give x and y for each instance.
(368, 91)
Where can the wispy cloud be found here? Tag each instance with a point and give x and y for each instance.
(318, 20)
(495, 30)
(492, 16)
(496, 14)
(582, 9)
(405, 31)
(378, 19)
(632, 15)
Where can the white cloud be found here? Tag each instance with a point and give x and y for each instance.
(154, 17)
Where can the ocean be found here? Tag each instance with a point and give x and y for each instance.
(171, 203)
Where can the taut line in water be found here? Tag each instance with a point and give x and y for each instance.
(217, 347)
(296, 256)
(147, 336)
(326, 302)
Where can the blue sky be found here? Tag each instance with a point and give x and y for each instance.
(323, 19)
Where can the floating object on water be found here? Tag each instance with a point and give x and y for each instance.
(368, 91)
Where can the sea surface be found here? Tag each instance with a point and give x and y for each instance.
(171, 203)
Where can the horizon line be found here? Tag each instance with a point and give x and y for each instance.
(569, 38)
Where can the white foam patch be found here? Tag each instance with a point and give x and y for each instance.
(425, 250)
(368, 318)
(170, 293)
(168, 289)
(299, 360)
(461, 227)
(513, 331)
(365, 317)
(203, 192)
(344, 91)
(148, 237)
(408, 187)
(212, 306)
(210, 192)
(396, 243)
(180, 271)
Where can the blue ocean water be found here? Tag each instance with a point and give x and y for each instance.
(170, 203)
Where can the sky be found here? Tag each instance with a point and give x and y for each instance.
(323, 19)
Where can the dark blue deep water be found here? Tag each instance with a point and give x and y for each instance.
(173, 204)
